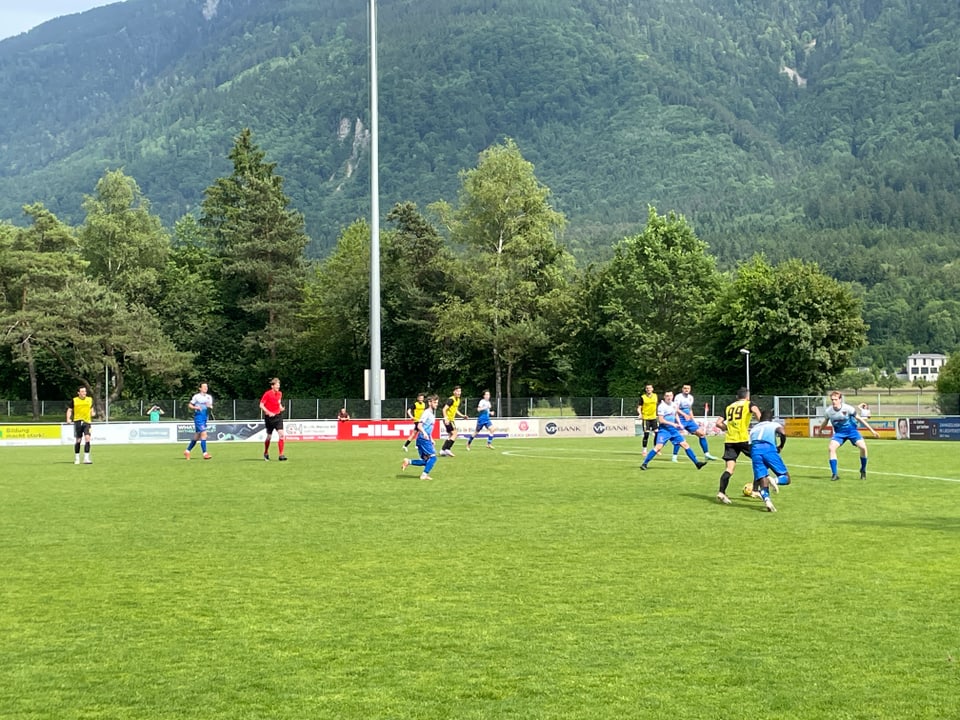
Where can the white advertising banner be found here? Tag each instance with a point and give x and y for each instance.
(124, 433)
(307, 430)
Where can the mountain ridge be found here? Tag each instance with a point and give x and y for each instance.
(680, 105)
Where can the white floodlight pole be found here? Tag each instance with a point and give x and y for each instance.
(746, 352)
(375, 389)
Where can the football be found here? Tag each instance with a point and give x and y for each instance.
(748, 490)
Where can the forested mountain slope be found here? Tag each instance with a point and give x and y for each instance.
(800, 128)
(827, 112)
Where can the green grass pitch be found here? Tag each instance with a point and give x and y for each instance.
(543, 579)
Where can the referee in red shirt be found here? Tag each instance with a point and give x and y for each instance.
(272, 406)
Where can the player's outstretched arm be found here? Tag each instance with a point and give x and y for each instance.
(868, 427)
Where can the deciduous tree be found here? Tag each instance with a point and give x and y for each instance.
(802, 327)
(515, 281)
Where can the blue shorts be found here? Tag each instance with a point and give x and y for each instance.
(425, 447)
(849, 433)
(765, 458)
(200, 426)
(482, 425)
(691, 426)
(668, 434)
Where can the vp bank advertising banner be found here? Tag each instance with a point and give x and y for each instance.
(575, 427)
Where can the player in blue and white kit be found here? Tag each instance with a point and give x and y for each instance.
(688, 420)
(201, 404)
(669, 431)
(425, 448)
(484, 411)
(767, 439)
(846, 426)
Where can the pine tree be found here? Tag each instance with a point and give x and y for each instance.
(261, 243)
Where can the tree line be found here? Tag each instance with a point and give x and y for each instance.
(480, 292)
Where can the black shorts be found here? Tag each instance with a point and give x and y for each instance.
(80, 429)
(273, 422)
(450, 427)
(731, 451)
(651, 425)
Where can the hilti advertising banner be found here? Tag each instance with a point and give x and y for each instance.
(379, 430)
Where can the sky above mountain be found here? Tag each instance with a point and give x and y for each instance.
(19, 17)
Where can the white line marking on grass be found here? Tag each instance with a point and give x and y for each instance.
(630, 456)
(633, 457)
(871, 471)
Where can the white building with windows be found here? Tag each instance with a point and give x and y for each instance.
(925, 366)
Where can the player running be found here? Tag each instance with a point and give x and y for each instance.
(451, 411)
(414, 414)
(669, 430)
(425, 449)
(484, 412)
(689, 422)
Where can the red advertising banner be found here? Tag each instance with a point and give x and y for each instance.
(379, 430)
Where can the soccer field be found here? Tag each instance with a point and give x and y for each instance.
(543, 579)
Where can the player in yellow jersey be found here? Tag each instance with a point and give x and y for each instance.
(414, 414)
(451, 411)
(647, 412)
(736, 422)
(81, 413)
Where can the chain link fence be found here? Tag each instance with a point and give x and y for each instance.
(175, 409)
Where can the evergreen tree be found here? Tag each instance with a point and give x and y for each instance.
(260, 241)
(38, 264)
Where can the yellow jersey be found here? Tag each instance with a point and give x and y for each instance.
(418, 408)
(450, 408)
(82, 408)
(737, 418)
(648, 406)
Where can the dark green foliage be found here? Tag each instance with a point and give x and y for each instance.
(694, 107)
(948, 386)
(260, 243)
(801, 327)
(620, 105)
